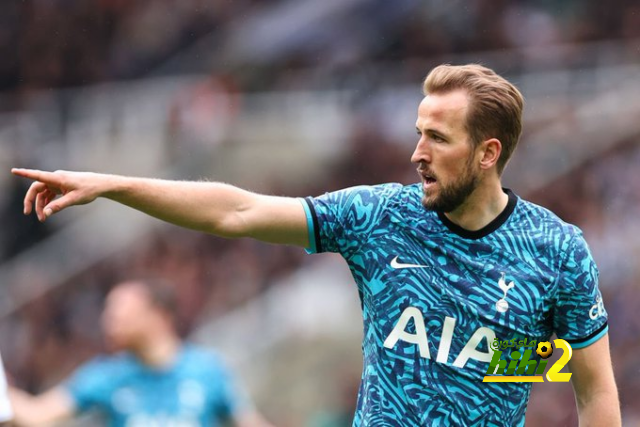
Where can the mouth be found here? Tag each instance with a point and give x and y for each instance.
(428, 178)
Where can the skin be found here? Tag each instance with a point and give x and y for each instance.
(445, 152)
(131, 322)
(467, 184)
(594, 385)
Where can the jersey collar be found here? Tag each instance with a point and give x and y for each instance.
(487, 229)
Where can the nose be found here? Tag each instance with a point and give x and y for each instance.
(422, 153)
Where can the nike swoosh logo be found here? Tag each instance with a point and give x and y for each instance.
(395, 264)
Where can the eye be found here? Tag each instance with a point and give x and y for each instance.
(437, 138)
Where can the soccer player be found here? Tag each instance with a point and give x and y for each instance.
(443, 266)
(155, 380)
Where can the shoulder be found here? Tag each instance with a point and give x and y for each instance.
(388, 190)
(202, 359)
(109, 361)
(100, 373)
(366, 196)
(107, 366)
(544, 224)
(195, 352)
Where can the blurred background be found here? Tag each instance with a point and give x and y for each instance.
(292, 97)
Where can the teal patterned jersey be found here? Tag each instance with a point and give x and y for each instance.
(196, 391)
(435, 295)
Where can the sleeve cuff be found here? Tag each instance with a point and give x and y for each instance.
(312, 226)
(590, 339)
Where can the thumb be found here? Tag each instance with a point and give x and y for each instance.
(48, 211)
(59, 204)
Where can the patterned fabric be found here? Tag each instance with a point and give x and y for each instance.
(195, 391)
(435, 295)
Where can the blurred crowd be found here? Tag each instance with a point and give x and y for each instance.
(61, 43)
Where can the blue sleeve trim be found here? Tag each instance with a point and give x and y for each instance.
(587, 341)
(312, 249)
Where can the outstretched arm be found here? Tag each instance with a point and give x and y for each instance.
(216, 208)
(46, 409)
(594, 385)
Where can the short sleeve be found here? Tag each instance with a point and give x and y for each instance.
(579, 317)
(89, 386)
(342, 220)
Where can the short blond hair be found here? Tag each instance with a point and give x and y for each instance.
(495, 105)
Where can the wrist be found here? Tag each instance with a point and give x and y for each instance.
(112, 186)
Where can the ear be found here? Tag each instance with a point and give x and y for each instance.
(489, 153)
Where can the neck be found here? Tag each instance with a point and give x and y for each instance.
(158, 351)
(481, 207)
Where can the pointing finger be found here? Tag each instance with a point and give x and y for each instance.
(37, 175)
(26, 173)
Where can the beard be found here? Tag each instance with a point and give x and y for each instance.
(453, 195)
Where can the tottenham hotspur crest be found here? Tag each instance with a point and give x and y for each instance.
(502, 305)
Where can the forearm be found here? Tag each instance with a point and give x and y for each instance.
(205, 206)
(599, 409)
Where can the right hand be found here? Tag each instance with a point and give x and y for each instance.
(75, 188)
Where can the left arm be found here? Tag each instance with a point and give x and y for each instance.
(594, 385)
